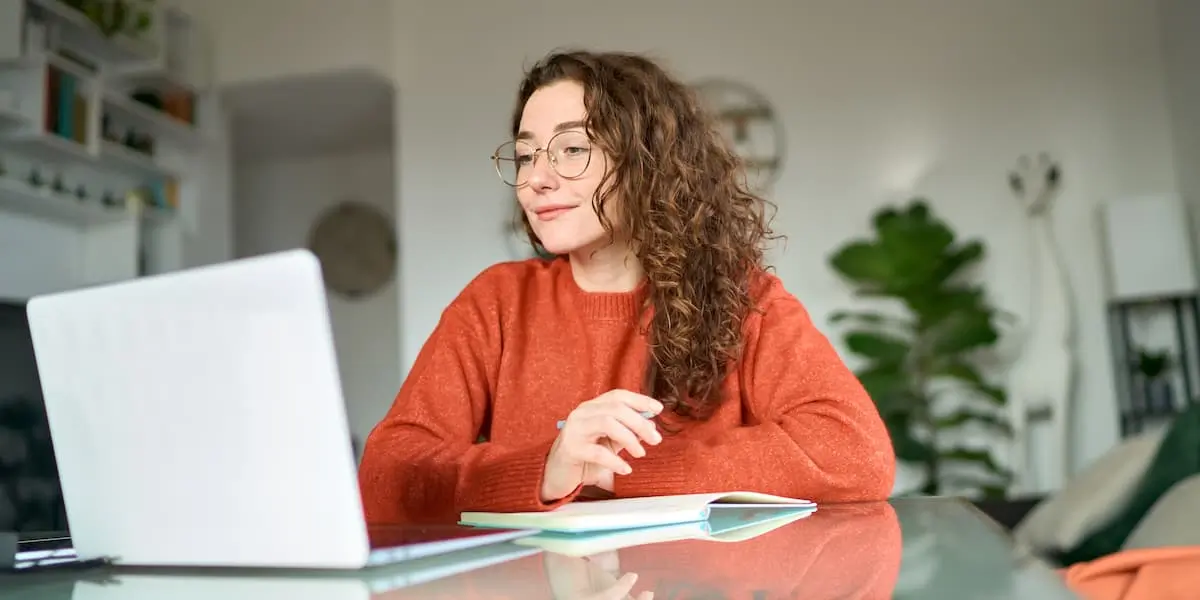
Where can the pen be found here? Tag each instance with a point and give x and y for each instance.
(647, 414)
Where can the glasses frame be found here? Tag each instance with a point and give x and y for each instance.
(540, 150)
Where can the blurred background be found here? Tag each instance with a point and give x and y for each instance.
(986, 203)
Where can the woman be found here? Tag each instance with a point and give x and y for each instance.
(656, 305)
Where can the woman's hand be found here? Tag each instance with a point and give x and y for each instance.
(595, 577)
(591, 440)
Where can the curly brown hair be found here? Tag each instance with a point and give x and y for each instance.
(697, 230)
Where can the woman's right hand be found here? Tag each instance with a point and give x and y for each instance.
(592, 438)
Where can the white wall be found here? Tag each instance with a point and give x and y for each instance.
(276, 203)
(880, 100)
(260, 39)
(1181, 48)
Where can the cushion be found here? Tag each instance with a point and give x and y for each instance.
(1173, 521)
(1090, 499)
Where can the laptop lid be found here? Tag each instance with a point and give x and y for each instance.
(198, 418)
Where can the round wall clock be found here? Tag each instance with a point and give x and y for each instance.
(356, 245)
(750, 123)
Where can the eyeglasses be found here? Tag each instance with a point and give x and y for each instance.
(569, 153)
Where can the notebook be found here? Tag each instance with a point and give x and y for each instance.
(630, 513)
(727, 525)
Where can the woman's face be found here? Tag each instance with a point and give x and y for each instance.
(558, 170)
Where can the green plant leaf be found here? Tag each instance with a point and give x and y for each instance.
(881, 347)
(871, 318)
(958, 259)
(963, 331)
(955, 368)
(982, 458)
(890, 389)
(995, 394)
(909, 448)
(964, 416)
(863, 263)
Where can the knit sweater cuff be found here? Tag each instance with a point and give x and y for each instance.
(512, 483)
(656, 474)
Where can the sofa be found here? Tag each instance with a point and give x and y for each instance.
(1141, 494)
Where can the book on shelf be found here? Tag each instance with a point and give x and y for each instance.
(66, 107)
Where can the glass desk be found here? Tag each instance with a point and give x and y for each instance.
(928, 548)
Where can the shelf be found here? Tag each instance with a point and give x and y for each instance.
(158, 216)
(79, 33)
(157, 123)
(159, 81)
(11, 118)
(126, 160)
(51, 149)
(20, 197)
(55, 150)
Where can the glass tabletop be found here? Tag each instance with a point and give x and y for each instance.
(929, 548)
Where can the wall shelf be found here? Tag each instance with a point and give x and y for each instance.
(49, 148)
(104, 137)
(54, 150)
(11, 118)
(116, 157)
(20, 197)
(80, 34)
(155, 122)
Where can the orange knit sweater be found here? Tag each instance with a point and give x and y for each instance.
(522, 345)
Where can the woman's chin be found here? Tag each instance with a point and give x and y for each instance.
(558, 247)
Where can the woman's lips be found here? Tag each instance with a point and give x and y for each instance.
(552, 213)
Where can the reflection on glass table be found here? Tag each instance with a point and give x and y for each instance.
(928, 548)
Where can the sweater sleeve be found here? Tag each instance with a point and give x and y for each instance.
(423, 463)
(811, 430)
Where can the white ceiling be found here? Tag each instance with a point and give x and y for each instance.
(306, 115)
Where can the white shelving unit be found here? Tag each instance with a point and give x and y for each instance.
(102, 129)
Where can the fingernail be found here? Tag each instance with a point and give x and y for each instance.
(626, 470)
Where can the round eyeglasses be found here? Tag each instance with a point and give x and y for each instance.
(569, 153)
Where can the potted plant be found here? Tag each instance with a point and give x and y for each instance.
(920, 365)
(1153, 366)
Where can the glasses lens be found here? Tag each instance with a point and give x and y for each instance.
(572, 151)
(512, 162)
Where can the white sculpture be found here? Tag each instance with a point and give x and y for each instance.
(1041, 383)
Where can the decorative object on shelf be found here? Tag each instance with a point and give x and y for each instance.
(1042, 380)
(356, 245)
(914, 259)
(749, 122)
(113, 17)
(1153, 367)
(1154, 302)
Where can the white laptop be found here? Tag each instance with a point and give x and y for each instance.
(198, 420)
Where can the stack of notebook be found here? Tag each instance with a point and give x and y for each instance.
(589, 527)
